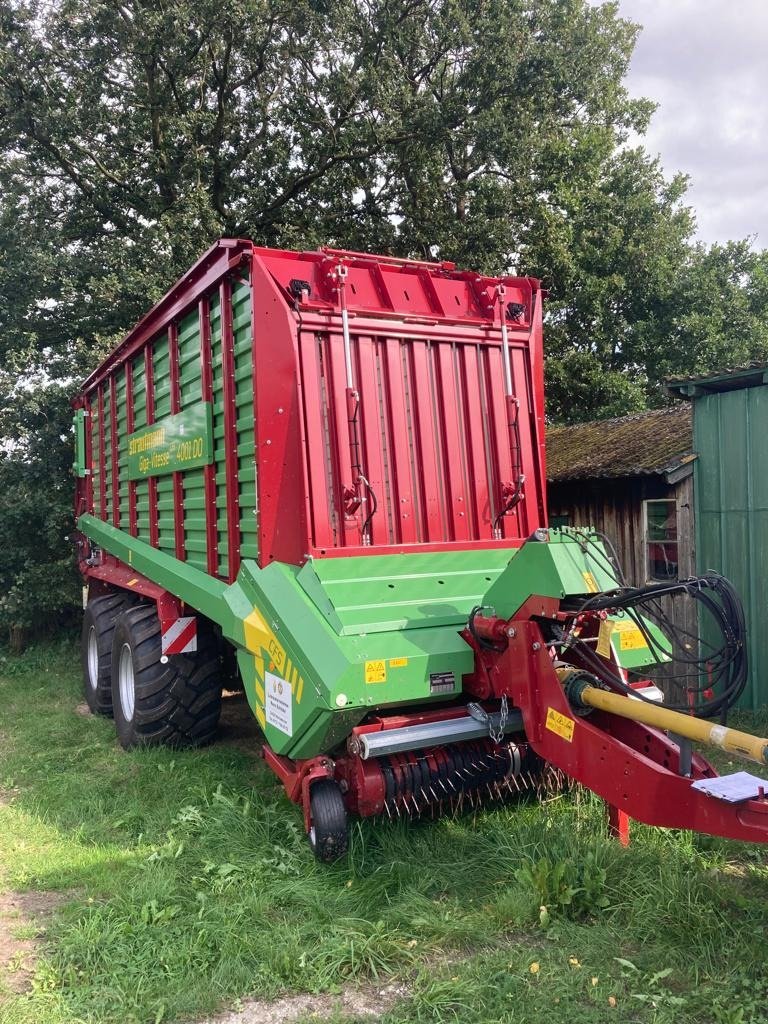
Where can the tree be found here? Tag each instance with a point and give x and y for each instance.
(135, 133)
(36, 563)
(489, 132)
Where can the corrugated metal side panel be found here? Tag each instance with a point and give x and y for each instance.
(139, 421)
(122, 462)
(730, 435)
(433, 432)
(155, 498)
(95, 453)
(190, 386)
(218, 436)
(161, 371)
(108, 453)
(244, 422)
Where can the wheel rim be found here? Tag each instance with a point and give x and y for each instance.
(93, 659)
(126, 682)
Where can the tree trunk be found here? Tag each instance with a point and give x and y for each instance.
(17, 638)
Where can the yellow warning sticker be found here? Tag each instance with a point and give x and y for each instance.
(398, 662)
(630, 641)
(376, 671)
(591, 582)
(630, 637)
(604, 638)
(560, 724)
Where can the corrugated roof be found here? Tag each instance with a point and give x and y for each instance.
(643, 444)
(748, 376)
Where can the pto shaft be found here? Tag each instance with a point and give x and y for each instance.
(742, 744)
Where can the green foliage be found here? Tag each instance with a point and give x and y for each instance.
(39, 583)
(573, 888)
(495, 134)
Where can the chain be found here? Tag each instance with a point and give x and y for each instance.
(498, 735)
(496, 732)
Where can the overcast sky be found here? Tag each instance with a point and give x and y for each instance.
(705, 62)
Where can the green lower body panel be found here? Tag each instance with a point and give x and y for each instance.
(309, 685)
(321, 646)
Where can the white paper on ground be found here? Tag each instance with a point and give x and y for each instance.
(733, 788)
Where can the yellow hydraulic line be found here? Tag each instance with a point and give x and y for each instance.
(741, 743)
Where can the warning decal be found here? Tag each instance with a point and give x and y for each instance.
(560, 724)
(279, 703)
(376, 671)
(630, 637)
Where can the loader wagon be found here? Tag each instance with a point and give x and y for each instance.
(320, 476)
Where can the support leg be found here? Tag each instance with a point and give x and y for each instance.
(618, 824)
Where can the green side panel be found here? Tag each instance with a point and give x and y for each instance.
(731, 488)
(78, 425)
(108, 450)
(380, 593)
(333, 680)
(191, 391)
(564, 567)
(558, 568)
(329, 681)
(140, 420)
(122, 448)
(244, 401)
(218, 434)
(161, 375)
(197, 588)
(319, 647)
(640, 656)
(95, 454)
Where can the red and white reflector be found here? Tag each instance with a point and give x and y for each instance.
(181, 636)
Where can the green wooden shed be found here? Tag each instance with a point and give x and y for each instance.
(730, 436)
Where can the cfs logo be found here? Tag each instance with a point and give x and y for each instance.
(276, 652)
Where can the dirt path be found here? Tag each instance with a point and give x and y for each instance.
(22, 922)
(363, 1004)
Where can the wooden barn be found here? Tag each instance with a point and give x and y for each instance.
(632, 479)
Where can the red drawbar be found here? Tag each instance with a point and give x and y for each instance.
(626, 763)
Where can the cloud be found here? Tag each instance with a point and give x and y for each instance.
(705, 62)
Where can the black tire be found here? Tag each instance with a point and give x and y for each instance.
(328, 833)
(96, 645)
(176, 704)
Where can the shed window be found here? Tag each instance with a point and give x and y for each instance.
(661, 539)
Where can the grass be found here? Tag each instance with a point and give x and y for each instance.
(189, 884)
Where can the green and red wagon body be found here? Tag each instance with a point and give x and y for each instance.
(335, 458)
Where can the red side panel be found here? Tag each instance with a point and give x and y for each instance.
(279, 462)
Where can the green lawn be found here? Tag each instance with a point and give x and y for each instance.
(189, 883)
